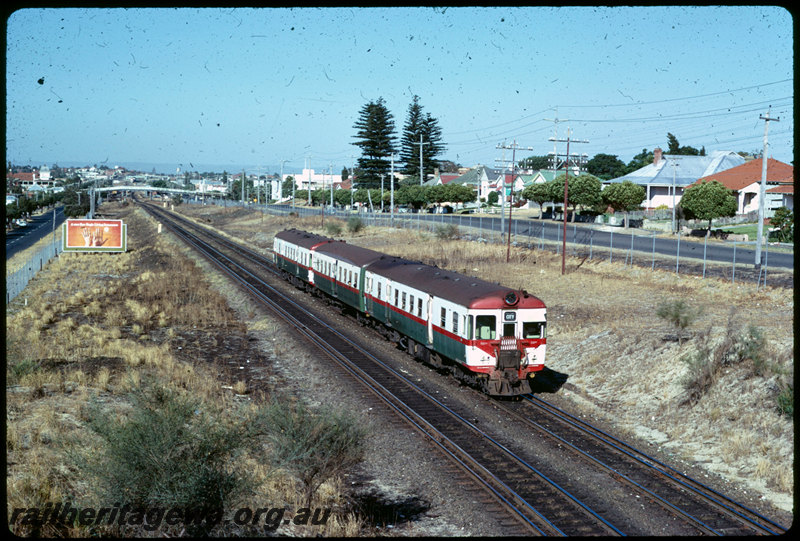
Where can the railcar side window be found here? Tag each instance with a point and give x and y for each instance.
(485, 327)
(455, 322)
(444, 318)
(379, 290)
(419, 307)
(396, 297)
(404, 300)
(533, 329)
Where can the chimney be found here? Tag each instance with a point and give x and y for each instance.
(656, 155)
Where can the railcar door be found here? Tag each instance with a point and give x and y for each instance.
(334, 276)
(430, 319)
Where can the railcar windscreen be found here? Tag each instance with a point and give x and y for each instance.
(485, 327)
(533, 329)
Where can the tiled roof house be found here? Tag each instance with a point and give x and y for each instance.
(745, 180)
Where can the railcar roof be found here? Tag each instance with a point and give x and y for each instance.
(452, 286)
(350, 253)
(302, 238)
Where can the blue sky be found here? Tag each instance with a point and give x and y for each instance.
(205, 89)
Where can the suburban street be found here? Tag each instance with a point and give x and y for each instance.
(621, 239)
(38, 226)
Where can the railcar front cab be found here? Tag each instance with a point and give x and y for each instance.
(508, 343)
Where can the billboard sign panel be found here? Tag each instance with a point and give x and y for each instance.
(83, 235)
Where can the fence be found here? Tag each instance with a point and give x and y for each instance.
(633, 247)
(730, 260)
(16, 281)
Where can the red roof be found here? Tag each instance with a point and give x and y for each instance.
(746, 174)
(782, 188)
(447, 177)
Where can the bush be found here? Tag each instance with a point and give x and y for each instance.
(168, 453)
(785, 400)
(313, 447)
(447, 231)
(333, 228)
(355, 224)
(679, 314)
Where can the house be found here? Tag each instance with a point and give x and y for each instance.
(668, 170)
(481, 178)
(309, 179)
(745, 180)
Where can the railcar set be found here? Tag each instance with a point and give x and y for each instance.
(492, 337)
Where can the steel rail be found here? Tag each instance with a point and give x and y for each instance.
(478, 472)
(720, 501)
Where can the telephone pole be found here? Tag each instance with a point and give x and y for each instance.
(567, 163)
(762, 193)
(421, 171)
(513, 148)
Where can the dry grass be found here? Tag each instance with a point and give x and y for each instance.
(98, 327)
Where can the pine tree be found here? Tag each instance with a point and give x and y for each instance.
(426, 127)
(375, 136)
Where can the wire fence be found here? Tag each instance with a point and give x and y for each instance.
(683, 254)
(18, 280)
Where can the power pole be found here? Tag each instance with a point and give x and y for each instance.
(763, 189)
(391, 197)
(674, 165)
(514, 147)
(421, 144)
(567, 162)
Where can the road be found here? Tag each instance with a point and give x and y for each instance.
(38, 226)
(587, 234)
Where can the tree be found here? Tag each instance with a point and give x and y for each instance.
(645, 157)
(375, 136)
(708, 200)
(783, 221)
(419, 125)
(537, 163)
(413, 195)
(286, 186)
(624, 196)
(584, 191)
(538, 193)
(606, 166)
(673, 147)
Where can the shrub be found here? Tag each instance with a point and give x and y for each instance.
(333, 228)
(785, 400)
(314, 447)
(447, 231)
(679, 314)
(355, 224)
(168, 453)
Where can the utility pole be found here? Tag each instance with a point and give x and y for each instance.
(675, 164)
(567, 164)
(283, 162)
(382, 175)
(555, 138)
(391, 197)
(762, 193)
(514, 147)
(421, 171)
(330, 172)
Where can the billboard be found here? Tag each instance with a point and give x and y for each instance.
(94, 236)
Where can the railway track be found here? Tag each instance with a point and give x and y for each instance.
(699, 505)
(538, 504)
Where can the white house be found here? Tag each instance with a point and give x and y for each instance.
(668, 170)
